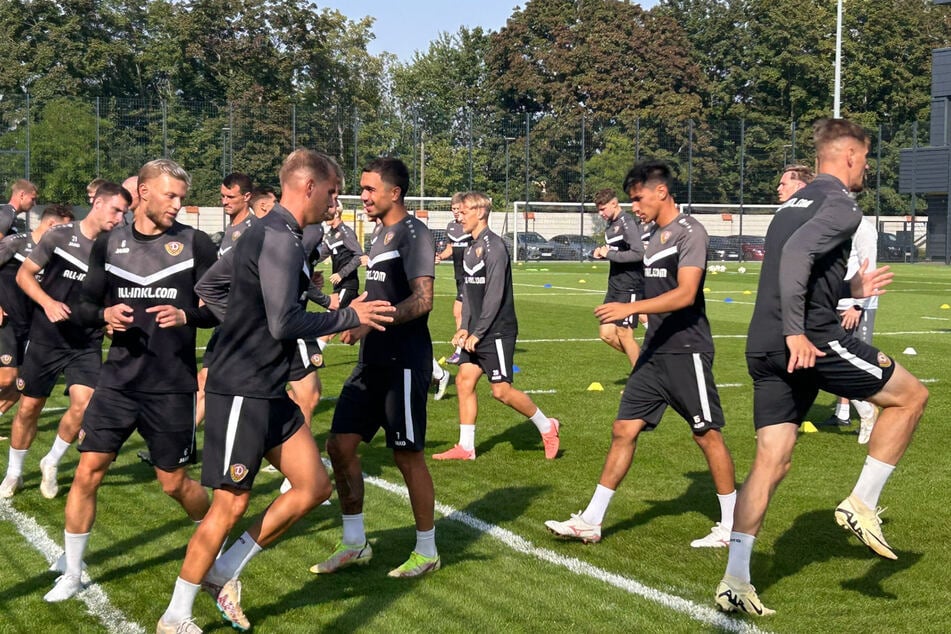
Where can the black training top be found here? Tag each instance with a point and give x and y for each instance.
(63, 254)
(402, 252)
(233, 232)
(625, 253)
(682, 243)
(807, 250)
(488, 307)
(14, 249)
(8, 217)
(127, 267)
(344, 249)
(258, 291)
(460, 240)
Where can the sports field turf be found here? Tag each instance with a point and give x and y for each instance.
(501, 570)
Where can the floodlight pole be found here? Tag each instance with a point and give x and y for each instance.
(837, 97)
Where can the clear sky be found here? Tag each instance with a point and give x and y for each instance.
(404, 26)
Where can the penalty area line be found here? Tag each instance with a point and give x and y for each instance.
(96, 600)
(700, 613)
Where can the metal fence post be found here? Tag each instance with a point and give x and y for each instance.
(164, 129)
(528, 132)
(690, 165)
(469, 117)
(293, 126)
(97, 138)
(914, 192)
(742, 175)
(878, 178)
(26, 170)
(792, 140)
(581, 210)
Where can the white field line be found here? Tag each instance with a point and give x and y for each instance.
(700, 613)
(599, 291)
(95, 598)
(937, 318)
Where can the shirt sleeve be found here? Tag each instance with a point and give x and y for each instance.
(495, 280)
(632, 236)
(205, 257)
(418, 254)
(43, 251)
(834, 223)
(350, 243)
(92, 298)
(693, 247)
(8, 249)
(214, 286)
(6, 221)
(279, 265)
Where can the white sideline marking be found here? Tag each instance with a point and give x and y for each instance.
(599, 291)
(929, 380)
(95, 598)
(539, 391)
(730, 384)
(937, 318)
(701, 613)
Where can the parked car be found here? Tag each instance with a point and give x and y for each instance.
(892, 249)
(753, 248)
(723, 248)
(573, 246)
(531, 246)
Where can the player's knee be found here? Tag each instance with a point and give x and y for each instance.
(502, 392)
(624, 431)
(174, 485)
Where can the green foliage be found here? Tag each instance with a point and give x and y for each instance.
(65, 134)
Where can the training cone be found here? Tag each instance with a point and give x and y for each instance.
(515, 368)
(747, 292)
(910, 351)
(945, 306)
(442, 361)
(807, 427)
(582, 282)
(706, 289)
(547, 285)
(728, 300)
(595, 387)
(594, 266)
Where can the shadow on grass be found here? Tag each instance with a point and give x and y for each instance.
(369, 584)
(814, 537)
(522, 436)
(699, 496)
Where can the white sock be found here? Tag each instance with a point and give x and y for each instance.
(183, 598)
(598, 505)
(15, 462)
(727, 504)
(871, 481)
(738, 562)
(864, 409)
(541, 421)
(75, 546)
(58, 450)
(426, 542)
(437, 370)
(842, 411)
(321, 344)
(467, 437)
(458, 349)
(232, 562)
(353, 531)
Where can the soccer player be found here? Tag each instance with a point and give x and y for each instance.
(625, 251)
(22, 198)
(488, 333)
(459, 240)
(255, 288)
(140, 283)
(131, 185)
(262, 200)
(16, 309)
(59, 343)
(796, 346)
(341, 245)
(675, 365)
(389, 385)
(794, 178)
(92, 187)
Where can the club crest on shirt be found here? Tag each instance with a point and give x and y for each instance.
(883, 360)
(478, 252)
(664, 237)
(6, 359)
(20, 384)
(317, 360)
(238, 472)
(388, 238)
(174, 248)
(617, 229)
(235, 235)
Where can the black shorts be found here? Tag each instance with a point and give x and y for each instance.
(12, 346)
(624, 296)
(166, 421)
(851, 368)
(239, 431)
(494, 356)
(460, 284)
(42, 365)
(389, 397)
(683, 381)
(307, 358)
(346, 294)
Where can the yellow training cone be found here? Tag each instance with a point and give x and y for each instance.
(706, 289)
(945, 307)
(595, 387)
(582, 282)
(747, 292)
(441, 361)
(807, 427)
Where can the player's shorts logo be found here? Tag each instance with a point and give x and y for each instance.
(883, 360)
(20, 384)
(82, 435)
(174, 248)
(388, 238)
(317, 360)
(6, 359)
(664, 237)
(238, 472)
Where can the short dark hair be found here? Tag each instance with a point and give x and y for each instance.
(802, 173)
(58, 210)
(392, 171)
(825, 131)
(649, 172)
(243, 181)
(604, 196)
(263, 190)
(108, 189)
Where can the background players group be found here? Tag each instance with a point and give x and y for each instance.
(121, 280)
